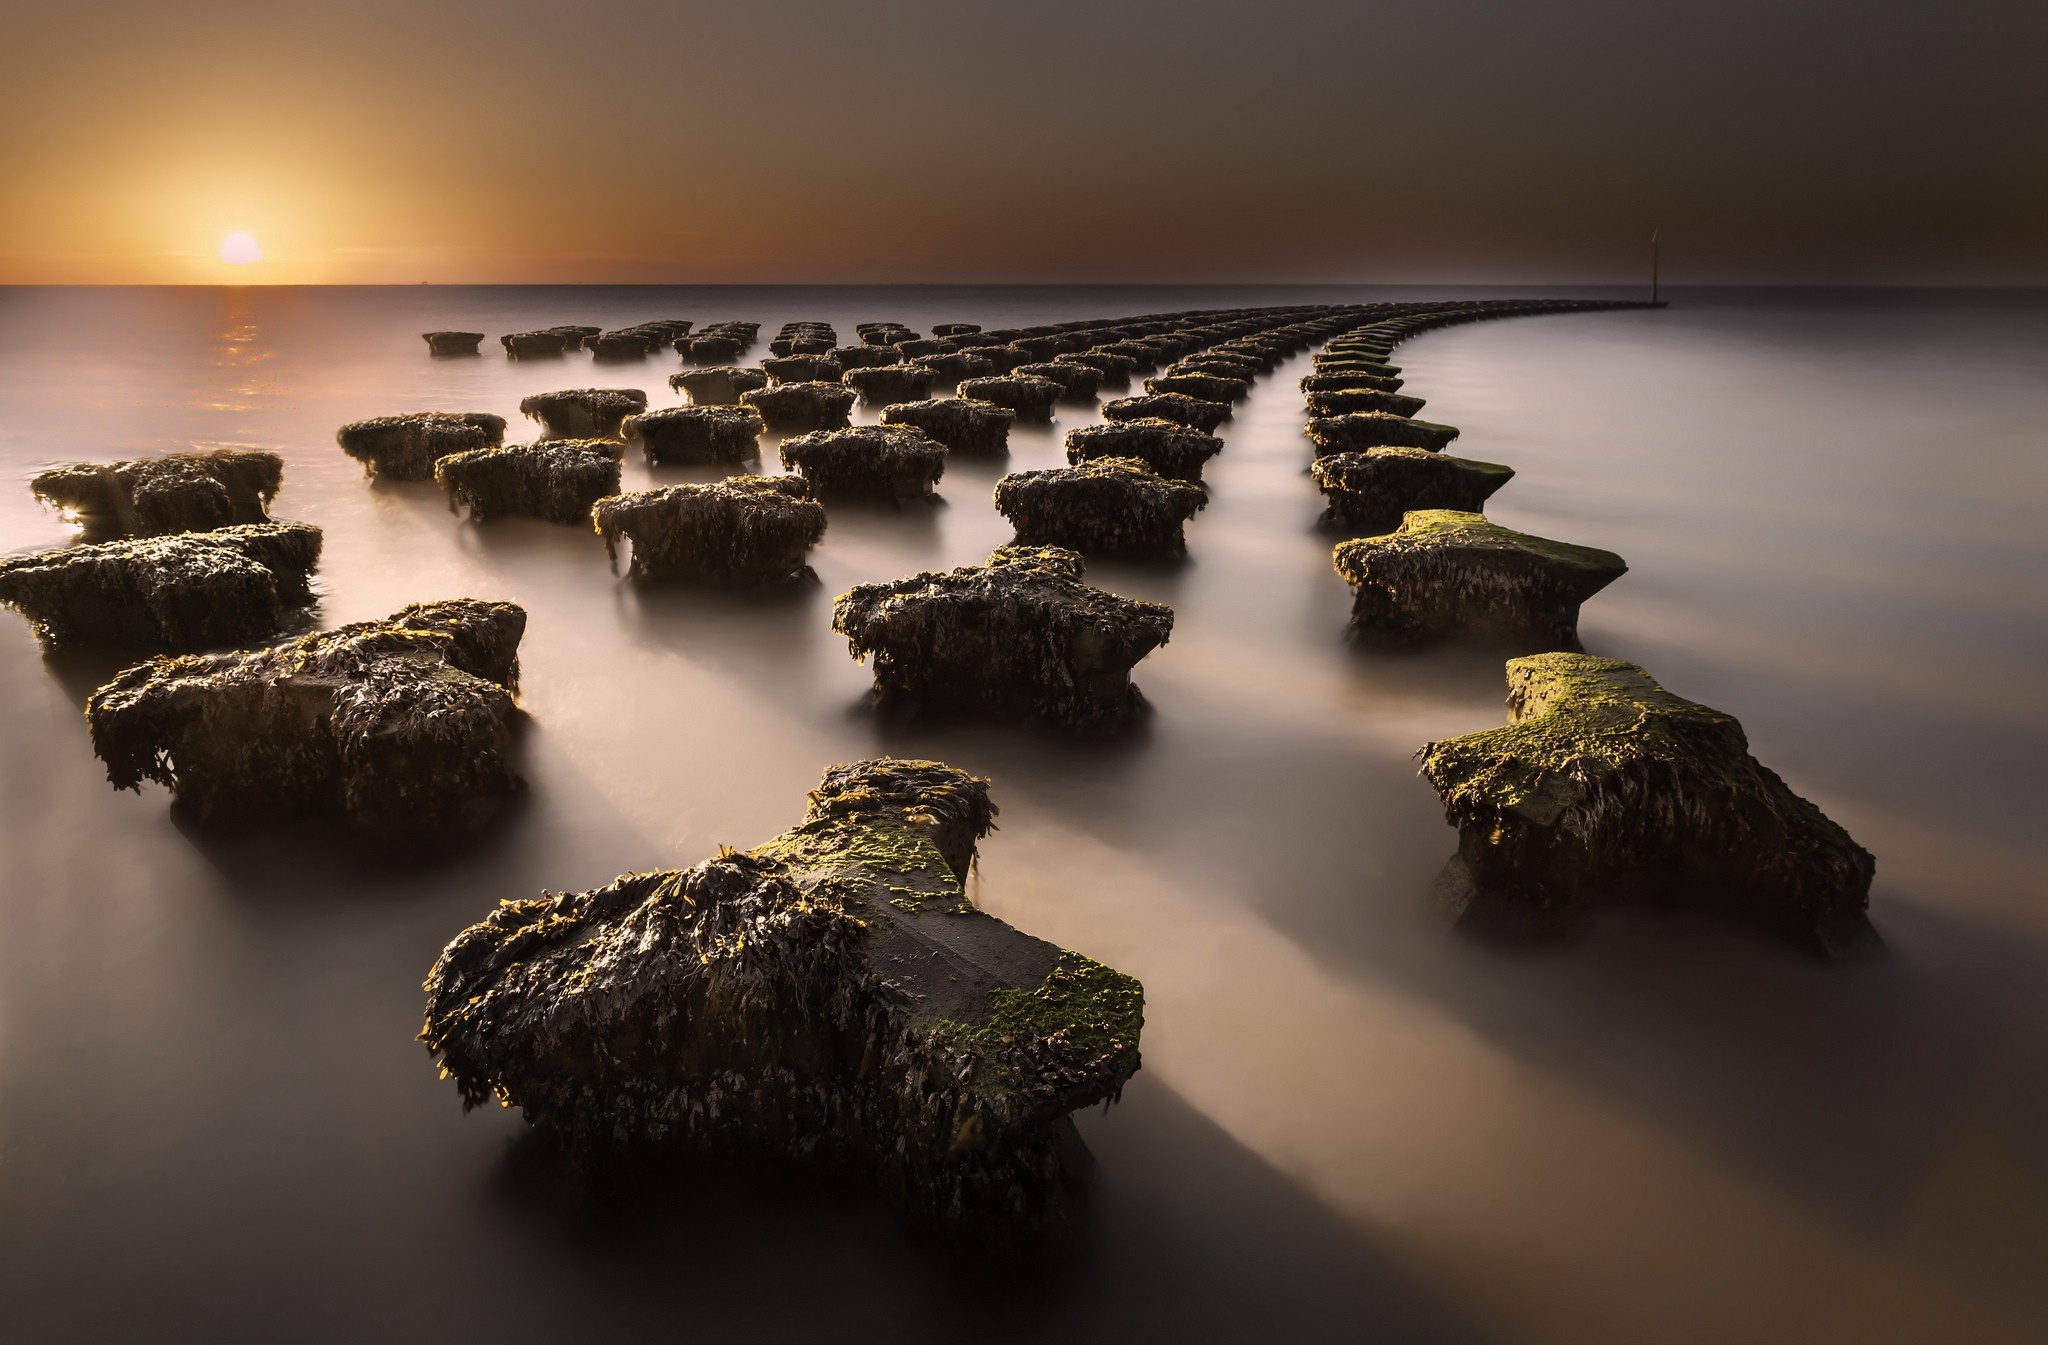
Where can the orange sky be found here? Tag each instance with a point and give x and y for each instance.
(803, 140)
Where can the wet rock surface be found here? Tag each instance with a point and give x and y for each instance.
(556, 480)
(1375, 488)
(1343, 401)
(150, 497)
(1103, 507)
(194, 590)
(1446, 572)
(1020, 637)
(405, 448)
(744, 531)
(829, 1000)
(453, 343)
(1605, 787)
(397, 728)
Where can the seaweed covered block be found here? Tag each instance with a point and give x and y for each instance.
(1031, 398)
(917, 348)
(963, 425)
(453, 343)
(1077, 382)
(1170, 449)
(582, 413)
(1203, 387)
(866, 356)
(742, 531)
(1102, 507)
(830, 1000)
(399, 728)
(527, 345)
(1606, 787)
(1004, 359)
(1112, 371)
(1375, 488)
(1356, 431)
(1322, 402)
(695, 434)
(717, 385)
(802, 369)
(178, 492)
(890, 462)
(619, 345)
(1446, 572)
(556, 480)
(405, 448)
(1244, 371)
(797, 407)
(1177, 407)
(955, 328)
(1020, 637)
(191, 590)
(887, 384)
(956, 365)
(713, 347)
(1355, 364)
(1344, 382)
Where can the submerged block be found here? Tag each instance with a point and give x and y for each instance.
(1168, 448)
(178, 492)
(583, 413)
(1607, 787)
(696, 434)
(1077, 382)
(802, 369)
(1373, 489)
(885, 385)
(556, 480)
(1104, 507)
(830, 999)
(405, 448)
(719, 385)
(192, 590)
(1031, 398)
(1446, 572)
(1337, 402)
(1202, 387)
(453, 343)
(797, 407)
(891, 462)
(1177, 407)
(743, 531)
(1020, 637)
(397, 727)
(963, 425)
(1356, 431)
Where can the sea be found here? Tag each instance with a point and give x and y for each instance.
(1353, 1122)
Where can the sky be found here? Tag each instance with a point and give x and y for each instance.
(903, 141)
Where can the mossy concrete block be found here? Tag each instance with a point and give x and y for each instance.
(398, 728)
(1078, 382)
(688, 435)
(1031, 398)
(744, 531)
(951, 368)
(963, 425)
(885, 385)
(793, 408)
(1103, 507)
(1446, 572)
(829, 1000)
(192, 590)
(1343, 401)
(1177, 407)
(718, 384)
(802, 369)
(150, 497)
(1356, 431)
(555, 480)
(405, 448)
(1021, 637)
(1375, 488)
(583, 413)
(1605, 787)
(886, 462)
(453, 343)
(1203, 387)
(1170, 449)
(1345, 382)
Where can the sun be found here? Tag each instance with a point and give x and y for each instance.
(239, 249)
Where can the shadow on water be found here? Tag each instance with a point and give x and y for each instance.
(1292, 1270)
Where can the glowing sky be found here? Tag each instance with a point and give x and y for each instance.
(906, 140)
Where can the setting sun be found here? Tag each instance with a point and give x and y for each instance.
(239, 249)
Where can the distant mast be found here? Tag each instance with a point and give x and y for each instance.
(1654, 232)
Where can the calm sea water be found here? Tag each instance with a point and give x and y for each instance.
(1352, 1124)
